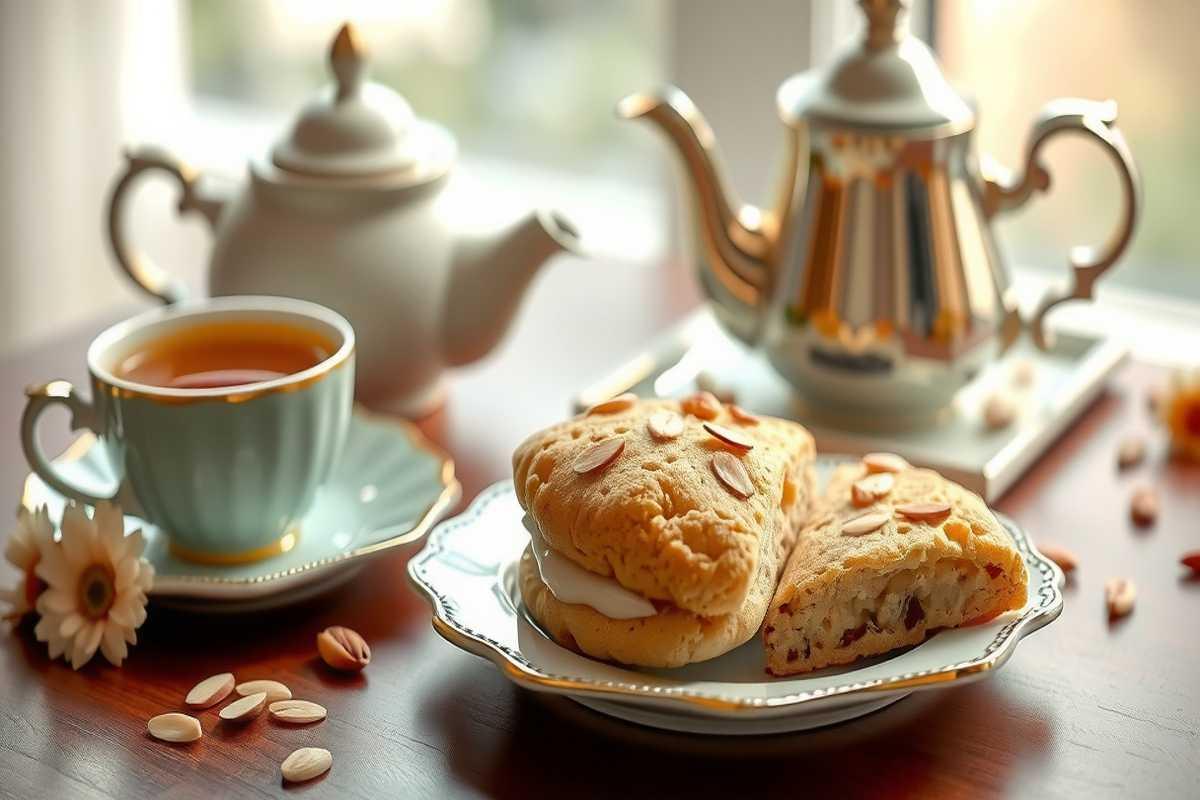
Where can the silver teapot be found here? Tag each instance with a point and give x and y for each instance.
(874, 282)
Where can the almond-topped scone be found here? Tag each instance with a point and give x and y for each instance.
(890, 557)
(686, 507)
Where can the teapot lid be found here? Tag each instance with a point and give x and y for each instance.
(888, 82)
(360, 128)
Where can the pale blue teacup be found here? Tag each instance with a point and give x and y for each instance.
(228, 472)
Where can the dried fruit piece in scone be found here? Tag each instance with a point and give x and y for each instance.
(947, 563)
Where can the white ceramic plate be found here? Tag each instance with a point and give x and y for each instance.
(389, 489)
(468, 570)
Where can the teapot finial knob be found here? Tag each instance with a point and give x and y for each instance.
(348, 59)
(886, 20)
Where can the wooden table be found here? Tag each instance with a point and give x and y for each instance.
(1085, 708)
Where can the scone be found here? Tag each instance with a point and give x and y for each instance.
(886, 561)
(692, 506)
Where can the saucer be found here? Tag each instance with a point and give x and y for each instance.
(389, 489)
(468, 571)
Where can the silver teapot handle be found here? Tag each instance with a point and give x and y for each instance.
(136, 264)
(1003, 193)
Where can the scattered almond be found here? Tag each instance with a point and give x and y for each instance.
(1023, 372)
(343, 649)
(599, 455)
(866, 523)
(871, 489)
(1060, 555)
(732, 473)
(729, 437)
(1143, 506)
(665, 425)
(210, 691)
(297, 711)
(741, 415)
(1131, 452)
(245, 708)
(1119, 594)
(924, 512)
(174, 727)
(999, 411)
(613, 404)
(274, 690)
(701, 404)
(1191, 561)
(884, 462)
(306, 763)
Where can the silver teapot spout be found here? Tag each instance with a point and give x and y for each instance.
(736, 240)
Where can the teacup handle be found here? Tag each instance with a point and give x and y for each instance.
(1003, 193)
(136, 264)
(83, 415)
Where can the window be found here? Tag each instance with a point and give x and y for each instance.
(1017, 54)
(532, 81)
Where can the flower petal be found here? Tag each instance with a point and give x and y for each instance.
(52, 567)
(135, 543)
(57, 601)
(77, 535)
(70, 625)
(127, 571)
(113, 645)
(46, 627)
(145, 579)
(122, 613)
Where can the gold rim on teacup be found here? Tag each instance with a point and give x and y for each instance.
(172, 317)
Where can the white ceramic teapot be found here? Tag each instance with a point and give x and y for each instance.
(343, 213)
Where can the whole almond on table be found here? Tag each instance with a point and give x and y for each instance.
(274, 690)
(1119, 594)
(1143, 506)
(1131, 452)
(174, 727)
(245, 708)
(1060, 555)
(210, 691)
(343, 649)
(297, 711)
(306, 763)
(999, 411)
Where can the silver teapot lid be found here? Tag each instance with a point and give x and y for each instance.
(360, 128)
(888, 82)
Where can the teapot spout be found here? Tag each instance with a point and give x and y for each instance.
(736, 244)
(489, 277)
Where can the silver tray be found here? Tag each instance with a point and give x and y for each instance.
(1066, 380)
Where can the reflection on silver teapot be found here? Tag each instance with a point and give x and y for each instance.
(874, 282)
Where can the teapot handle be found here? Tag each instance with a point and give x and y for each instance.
(136, 264)
(1003, 193)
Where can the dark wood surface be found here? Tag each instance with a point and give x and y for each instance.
(1085, 708)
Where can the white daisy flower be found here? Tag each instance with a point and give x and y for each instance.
(96, 585)
(24, 550)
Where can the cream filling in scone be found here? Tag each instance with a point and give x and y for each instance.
(571, 583)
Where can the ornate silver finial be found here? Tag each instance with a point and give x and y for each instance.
(348, 60)
(886, 21)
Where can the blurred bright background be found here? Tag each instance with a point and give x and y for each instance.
(528, 87)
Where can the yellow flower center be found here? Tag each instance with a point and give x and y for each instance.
(97, 591)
